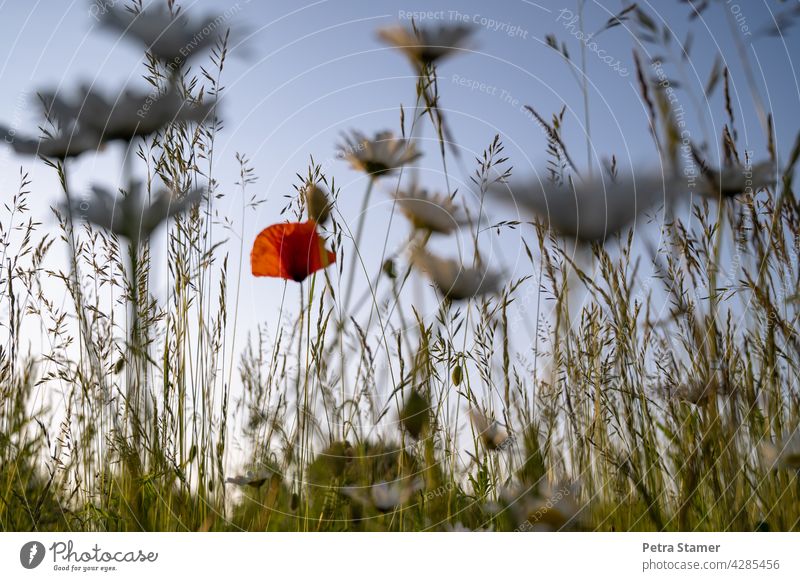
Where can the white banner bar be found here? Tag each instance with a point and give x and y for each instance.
(400, 556)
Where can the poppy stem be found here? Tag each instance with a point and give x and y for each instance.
(299, 404)
(362, 219)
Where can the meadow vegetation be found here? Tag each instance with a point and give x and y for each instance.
(656, 402)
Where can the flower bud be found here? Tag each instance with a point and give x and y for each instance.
(317, 204)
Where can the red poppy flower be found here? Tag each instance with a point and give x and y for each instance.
(292, 250)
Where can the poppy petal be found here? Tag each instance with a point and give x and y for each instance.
(265, 258)
(291, 250)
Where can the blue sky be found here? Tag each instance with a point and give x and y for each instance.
(314, 70)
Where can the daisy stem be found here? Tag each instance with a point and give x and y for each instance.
(134, 370)
(84, 333)
(134, 373)
(585, 91)
(362, 220)
(761, 111)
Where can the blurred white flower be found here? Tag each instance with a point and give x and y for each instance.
(90, 120)
(544, 508)
(591, 210)
(380, 156)
(130, 215)
(251, 479)
(426, 45)
(694, 392)
(492, 433)
(453, 279)
(784, 454)
(171, 38)
(437, 213)
(385, 496)
(56, 146)
(459, 527)
(129, 115)
(732, 181)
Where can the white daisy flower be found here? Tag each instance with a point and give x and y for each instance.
(251, 479)
(385, 496)
(784, 454)
(694, 392)
(380, 156)
(459, 527)
(546, 508)
(436, 213)
(129, 115)
(492, 433)
(453, 279)
(130, 215)
(732, 181)
(591, 210)
(57, 146)
(171, 38)
(426, 45)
